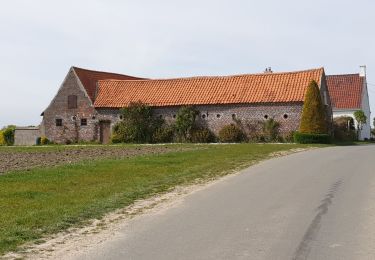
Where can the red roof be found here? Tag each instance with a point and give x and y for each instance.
(89, 78)
(345, 91)
(249, 88)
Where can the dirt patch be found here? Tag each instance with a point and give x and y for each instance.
(26, 160)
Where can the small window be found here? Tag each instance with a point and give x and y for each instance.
(265, 116)
(58, 122)
(83, 121)
(234, 116)
(161, 116)
(285, 116)
(93, 117)
(121, 117)
(204, 116)
(218, 116)
(72, 101)
(174, 116)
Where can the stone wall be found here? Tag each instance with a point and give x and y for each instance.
(71, 129)
(217, 116)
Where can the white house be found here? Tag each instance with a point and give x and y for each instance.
(348, 94)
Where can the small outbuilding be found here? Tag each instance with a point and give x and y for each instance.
(26, 135)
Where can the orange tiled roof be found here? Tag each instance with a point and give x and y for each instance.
(89, 78)
(249, 88)
(345, 91)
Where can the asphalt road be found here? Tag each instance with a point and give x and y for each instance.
(318, 204)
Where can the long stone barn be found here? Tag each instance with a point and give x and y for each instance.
(88, 103)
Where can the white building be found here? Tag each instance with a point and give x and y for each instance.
(348, 94)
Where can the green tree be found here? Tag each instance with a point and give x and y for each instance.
(8, 134)
(137, 124)
(185, 122)
(361, 119)
(2, 139)
(313, 120)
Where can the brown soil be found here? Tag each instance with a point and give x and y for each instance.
(26, 160)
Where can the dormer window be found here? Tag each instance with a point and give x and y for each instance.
(72, 101)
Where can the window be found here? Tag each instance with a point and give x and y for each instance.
(72, 101)
(121, 117)
(265, 116)
(204, 116)
(174, 116)
(58, 122)
(234, 116)
(218, 116)
(161, 116)
(83, 121)
(285, 116)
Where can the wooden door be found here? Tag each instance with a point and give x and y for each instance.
(105, 131)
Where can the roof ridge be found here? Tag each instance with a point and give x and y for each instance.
(99, 71)
(348, 74)
(218, 77)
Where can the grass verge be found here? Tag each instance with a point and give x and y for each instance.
(48, 200)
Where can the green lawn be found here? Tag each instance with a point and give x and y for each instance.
(44, 201)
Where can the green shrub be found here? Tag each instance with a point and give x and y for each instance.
(231, 133)
(44, 140)
(343, 129)
(8, 134)
(313, 119)
(202, 135)
(289, 137)
(271, 130)
(115, 139)
(163, 134)
(253, 131)
(304, 138)
(185, 122)
(137, 125)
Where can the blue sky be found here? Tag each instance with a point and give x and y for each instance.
(41, 39)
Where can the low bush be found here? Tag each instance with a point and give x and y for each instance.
(8, 134)
(137, 125)
(202, 135)
(44, 140)
(115, 139)
(271, 130)
(289, 137)
(163, 134)
(344, 129)
(231, 133)
(303, 138)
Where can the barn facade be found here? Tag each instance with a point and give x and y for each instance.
(88, 103)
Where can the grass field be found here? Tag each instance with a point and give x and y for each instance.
(43, 201)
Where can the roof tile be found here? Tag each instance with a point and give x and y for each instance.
(248, 88)
(345, 91)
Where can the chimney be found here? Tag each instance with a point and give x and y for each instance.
(268, 70)
(362, 71)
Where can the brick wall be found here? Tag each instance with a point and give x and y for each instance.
(71, 129)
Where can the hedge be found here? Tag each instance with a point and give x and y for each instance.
(303, 138)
